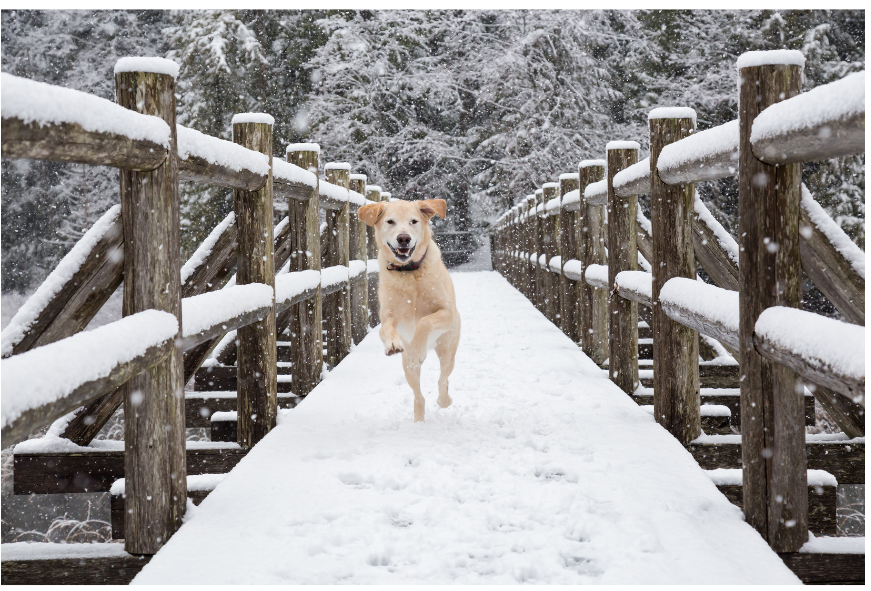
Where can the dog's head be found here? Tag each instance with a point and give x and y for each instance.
(401, 227)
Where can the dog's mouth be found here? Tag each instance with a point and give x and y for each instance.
(402, 253)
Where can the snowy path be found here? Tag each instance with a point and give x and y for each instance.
(542, 471)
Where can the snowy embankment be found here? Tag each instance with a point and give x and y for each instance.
(542, 471)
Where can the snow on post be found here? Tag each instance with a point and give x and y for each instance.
(153, 65)
(48, 382)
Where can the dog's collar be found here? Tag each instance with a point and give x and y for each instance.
(412, 266)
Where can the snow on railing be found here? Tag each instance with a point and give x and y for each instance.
(705, 308)
(836, 236)
(201, 254)
(46, 104)
(635, 285)
(597, 193)
(291, 285)
(211, 314)
(633, 180)
(703, 156)
(292, 173)
(724, 239)
(597, 276)
(218, 152)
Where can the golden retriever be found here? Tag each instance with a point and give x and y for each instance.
(415, 291)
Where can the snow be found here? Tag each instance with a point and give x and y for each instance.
(356, 268)
(337, 166)
(734, 477)
(373, 188)
(372, 266)
(304, 147)
(357, 199)
(205, 248)
(623, 145)
(53, 550)
(23, 320)
(220, 152)
(574, 270)
(787, 57)
(521, 480)
(154, 65)
(201, 312)
(359, 177)
(706, 410)
(823, 104)
(542, 261)
(224, 416)
(292, 173)
(386, 195)
(46, 104)
(591, 163)
(333, 275)
(724, 239)
(596, 189)
(630, 174)
(569, 176)
(827, 545)
(333, 192)
(712, 302)
(637, 281)
(572, 197)
(643, 263)
(197, 482)
(290, 285)
(76, 360)
(555, 264)
(552, 204)
(700, 145)
(672, 113)
(643, 222)
(596, 275)
(253, 118)
(816, 338)
(550, 186)
(833, 232)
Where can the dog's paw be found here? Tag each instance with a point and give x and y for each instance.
(393, 347)
(415, 356)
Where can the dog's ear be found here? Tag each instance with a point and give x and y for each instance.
(370, 212)
(431, 207)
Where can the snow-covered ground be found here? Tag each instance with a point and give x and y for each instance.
(542, 471)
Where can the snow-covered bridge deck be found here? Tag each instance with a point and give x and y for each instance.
(542, 471)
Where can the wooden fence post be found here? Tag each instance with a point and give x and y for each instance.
(622, 256)
(358, 251)
(675, 347)
(529, 242)
(538, 248)
(154, 437)
(550, 248)
(373, 193)
(769, 274)
(305, 318)
(570, 317)
(256, 381)
(337, 306)
(592, 239)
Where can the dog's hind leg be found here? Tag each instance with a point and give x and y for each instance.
(446, 349)
(412, 376)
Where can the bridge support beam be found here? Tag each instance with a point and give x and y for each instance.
(622, 256)
(154, 437)
(675, 347)
(257, 387)
(769, 274)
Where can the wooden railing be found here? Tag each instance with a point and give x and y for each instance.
(175, 316)
(551, 246)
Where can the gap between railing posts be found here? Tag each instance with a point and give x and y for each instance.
(257, 388)
(154, 435)
(675, 347)
(304, 320)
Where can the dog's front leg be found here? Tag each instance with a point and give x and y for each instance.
(390, 336)
(440, 320)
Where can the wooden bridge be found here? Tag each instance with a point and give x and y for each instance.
(345, 488)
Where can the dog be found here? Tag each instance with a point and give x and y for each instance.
(415, 292)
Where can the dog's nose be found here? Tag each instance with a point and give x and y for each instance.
(403, 240)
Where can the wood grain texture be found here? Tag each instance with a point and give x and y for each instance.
(622, 256)
(570, 291)
(303, 320)
(550, 247)
(95, 471)
(826, 569)
(257, 387)
(337, 306)
(214, 269)
(831, 273)
(822, 506)
(712, 257)
(825, 139)
(675, 346)
(592, 241)
(154, 400)
(200, 406)
(537, 226)
(69, 142)
(358, 239)
(769, 273)
(200, 170)
(849, 415)
(33, 419)
(115, 570)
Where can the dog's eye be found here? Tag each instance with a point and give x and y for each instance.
(413, 222)
(391, 222)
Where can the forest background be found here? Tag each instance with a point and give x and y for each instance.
(476, 107)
